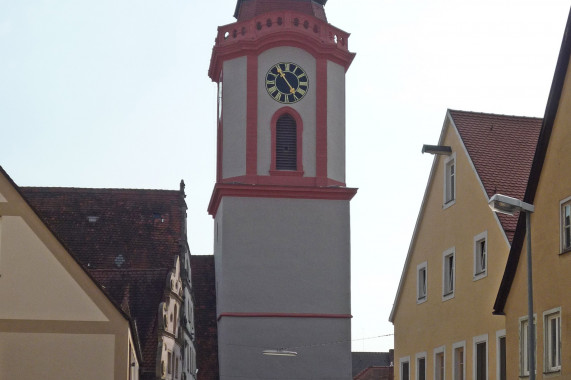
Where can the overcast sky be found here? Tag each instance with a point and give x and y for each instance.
(115, 93)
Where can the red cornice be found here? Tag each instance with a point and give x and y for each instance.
(280, 28)
(275, 191)
(284, 315)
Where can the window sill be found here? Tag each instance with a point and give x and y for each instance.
(289, 173)
(420, 300)
(479, 276)
(565, 250)
(448, 296)
(552, 372)
(448, 204)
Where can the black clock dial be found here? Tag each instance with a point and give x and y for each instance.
(286, 82)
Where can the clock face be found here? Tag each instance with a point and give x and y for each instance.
(287, 82)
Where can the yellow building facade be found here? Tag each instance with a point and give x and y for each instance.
(444, 327)
(549, 190)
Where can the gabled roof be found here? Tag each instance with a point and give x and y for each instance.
(537, 165)
(125, 239)
(206, 327)
(500, 149)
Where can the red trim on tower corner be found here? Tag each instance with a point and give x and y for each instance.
(299, 143)
(252, 116)
(321, 121)
(284, 315)
(276, 191)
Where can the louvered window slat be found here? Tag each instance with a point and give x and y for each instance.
(286, 143)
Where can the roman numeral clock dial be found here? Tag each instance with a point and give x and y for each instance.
(287, 82)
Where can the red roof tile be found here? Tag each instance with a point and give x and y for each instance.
(501, 148)
(204, 292)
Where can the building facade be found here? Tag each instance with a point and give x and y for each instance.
(444, 328)
(549, 190)
(280, 203)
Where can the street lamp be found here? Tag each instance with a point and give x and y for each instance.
(508, 205)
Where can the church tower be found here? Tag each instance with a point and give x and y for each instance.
(280, 203)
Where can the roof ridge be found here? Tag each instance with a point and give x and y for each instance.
(495, 114)
(92, 189)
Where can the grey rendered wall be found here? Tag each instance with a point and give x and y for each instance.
(234, 117)
(336, 121)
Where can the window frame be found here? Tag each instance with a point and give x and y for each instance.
(480, 273)
(564, 246)
(419, 297)
(523, 337)
(437, 352)
(299, 143)
(547, 317)
(480, 339)
(402, 361)
(417, 358)
(449, 188)
(446, 292)
(455, 347)
(500, 334)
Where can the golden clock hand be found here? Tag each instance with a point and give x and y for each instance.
(282, 74)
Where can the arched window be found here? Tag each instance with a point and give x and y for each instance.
(286, 143)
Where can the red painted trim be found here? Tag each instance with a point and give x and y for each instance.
(299, 141)
(272, 191)
(289, 179)
(321, 121)
(252, 116)
(255, 36)
(284, 315)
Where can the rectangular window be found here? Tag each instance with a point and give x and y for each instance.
(458, 371)
(405, 368)
(450, 180)
(481, 359)
(480, 255)
(523, 346)
(169, 362)
(421, 366)
(448, 275)
(439, 363)
(501, 355)
(421, 290)
(566, 225)
(552, 340)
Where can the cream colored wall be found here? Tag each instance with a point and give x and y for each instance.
(551, 270)
(435, 323)
(55, 323)
(34, 285)
(31, 356)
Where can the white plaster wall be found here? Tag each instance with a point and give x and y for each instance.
(284, 256)
(336, 121)
(234, 87)
(32, 356)
(267, 106)
(33, 284)
(323, 347)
